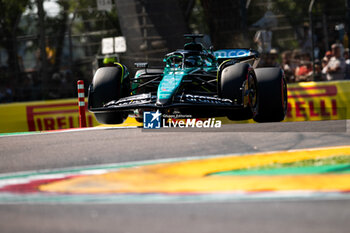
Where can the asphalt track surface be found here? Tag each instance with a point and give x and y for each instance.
(100, 146)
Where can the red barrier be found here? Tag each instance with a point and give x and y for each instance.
(81, 103)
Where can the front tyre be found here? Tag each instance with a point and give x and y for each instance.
(108, 84)
(271, 95)
(110, 117)
(231, 81)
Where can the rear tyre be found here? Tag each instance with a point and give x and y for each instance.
(230, 83)
(240, 114)
(108, 84)
(271, 96)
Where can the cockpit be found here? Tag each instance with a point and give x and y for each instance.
(188, 61)
(174, 61)
(193, 55)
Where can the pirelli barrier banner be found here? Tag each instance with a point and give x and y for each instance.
(314, 101)
(41, 116)
(309, 101)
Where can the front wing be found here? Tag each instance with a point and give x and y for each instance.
(148, 101)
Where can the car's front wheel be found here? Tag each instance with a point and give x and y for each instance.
(108, 84)
(231, 82)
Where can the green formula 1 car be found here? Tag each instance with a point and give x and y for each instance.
(194, 81)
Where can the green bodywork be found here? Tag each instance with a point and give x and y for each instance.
(170, 83)
(174, 74)
(180, 64)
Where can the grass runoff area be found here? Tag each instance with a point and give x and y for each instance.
(335, 165)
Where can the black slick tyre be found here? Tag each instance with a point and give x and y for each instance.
(107, 85)
(271, 95)
(230, 84)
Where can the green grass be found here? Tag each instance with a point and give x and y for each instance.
(305, 163)
(336, 164)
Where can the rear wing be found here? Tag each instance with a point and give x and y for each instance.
(242, 55)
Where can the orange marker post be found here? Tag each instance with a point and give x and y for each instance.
(81, 103)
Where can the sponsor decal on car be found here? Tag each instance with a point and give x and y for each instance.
(232, 53)
(132, 100)
(206, 99)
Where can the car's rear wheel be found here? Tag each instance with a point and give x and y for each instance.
(108, 84)
(271, 96)
(231, 83)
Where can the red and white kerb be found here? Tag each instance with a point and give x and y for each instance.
(81, 103)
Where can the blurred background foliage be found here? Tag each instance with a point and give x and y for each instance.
(46, 45)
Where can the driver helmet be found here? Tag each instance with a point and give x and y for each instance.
(109, 61)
